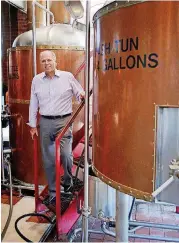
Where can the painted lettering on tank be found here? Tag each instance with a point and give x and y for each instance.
(124, 54)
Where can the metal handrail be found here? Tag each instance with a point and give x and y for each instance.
(57, 160)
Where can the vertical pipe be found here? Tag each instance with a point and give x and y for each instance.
(2, 156)
(34, 39)
(11, 203)
(122, 222)
(86, 165)
(48, 16)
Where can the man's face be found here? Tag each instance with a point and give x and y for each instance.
(47, 62)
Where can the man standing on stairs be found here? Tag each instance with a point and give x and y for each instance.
(51, 93)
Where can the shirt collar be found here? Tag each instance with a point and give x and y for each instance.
(57, 73)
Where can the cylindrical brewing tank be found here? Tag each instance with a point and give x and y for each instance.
(68, 44)
(135, 72)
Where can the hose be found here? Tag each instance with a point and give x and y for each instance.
(28, 215)
(11, 204)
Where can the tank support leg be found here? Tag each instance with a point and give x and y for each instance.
(122, 222)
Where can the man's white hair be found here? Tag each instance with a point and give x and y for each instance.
(47, 51)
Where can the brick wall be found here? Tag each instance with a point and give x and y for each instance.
(13, 23)
(22, 22)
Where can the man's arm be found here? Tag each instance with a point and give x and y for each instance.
(77, 88)
(33, 108)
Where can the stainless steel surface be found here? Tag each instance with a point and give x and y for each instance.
(122, 222)
(57, 34)
(102, 198)
(86, 163)
(48, 8)
(75, 9)
(167, 148)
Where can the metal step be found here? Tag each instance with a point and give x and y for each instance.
(66, 198)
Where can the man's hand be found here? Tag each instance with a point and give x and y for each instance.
(33, 131)
(82, 95)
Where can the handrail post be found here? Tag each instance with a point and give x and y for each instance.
(36, 174)
(58, 181)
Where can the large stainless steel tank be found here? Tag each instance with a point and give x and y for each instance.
(68, 44)
(136, 75)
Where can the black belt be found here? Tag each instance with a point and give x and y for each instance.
(56, 117)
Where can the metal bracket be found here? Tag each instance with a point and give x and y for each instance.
(174, 168)
(86, 211)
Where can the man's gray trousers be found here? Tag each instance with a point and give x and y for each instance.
(49, 129)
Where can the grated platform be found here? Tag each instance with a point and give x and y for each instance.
(66, 198)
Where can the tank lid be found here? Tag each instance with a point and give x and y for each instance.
(57, 34)
(112, 7)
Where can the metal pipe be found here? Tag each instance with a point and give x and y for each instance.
(150, 237)
(86, 164)
(162, 226)
(163, 186)
(136, 228)
(19, 186)
(11, 204)
(34, 39)
(108, 232)
(34, 32)
(76, 231)
(143, 224)
(130, 212)
(2, 157)
(45, 9)
(48, 16)
(122, 222)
